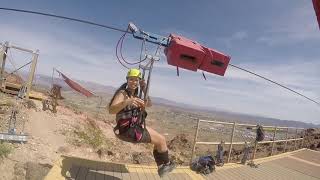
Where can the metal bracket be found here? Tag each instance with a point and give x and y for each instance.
(150, 37)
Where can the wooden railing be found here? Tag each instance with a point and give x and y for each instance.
(231, 143)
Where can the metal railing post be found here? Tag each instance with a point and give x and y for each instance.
(195, 141)
(231, 141)
(256, 144)
(32, 71)
(273, 139)
(3, 62)
(295, 142)
(285, 144)
(303, 140)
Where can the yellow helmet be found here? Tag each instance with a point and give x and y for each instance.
(134, 73)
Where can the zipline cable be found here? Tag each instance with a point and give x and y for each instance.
(67, 18)
(275, 83)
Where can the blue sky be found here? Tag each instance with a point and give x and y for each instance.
(279, 39)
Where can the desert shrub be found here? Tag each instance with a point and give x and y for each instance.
(5, 149)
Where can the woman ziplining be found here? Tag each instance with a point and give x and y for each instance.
(130, 115)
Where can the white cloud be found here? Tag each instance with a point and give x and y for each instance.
(291, 26)
(236, 36)
(298, 73)
(240, 35)
(70, 51)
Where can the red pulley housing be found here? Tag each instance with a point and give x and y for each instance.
(215, 62)
(188, 54)
(184, 53)
(316, 5)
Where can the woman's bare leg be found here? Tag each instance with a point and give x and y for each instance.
(158, 140)
(160, 152)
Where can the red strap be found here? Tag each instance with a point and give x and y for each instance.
(204, 76)
(138, 135)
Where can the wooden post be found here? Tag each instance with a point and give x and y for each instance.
(285, 144)
(231, 141)
(273, 139)
(32, 71)
(195, 141)
(3, 57)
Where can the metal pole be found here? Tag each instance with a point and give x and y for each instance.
(145, 97)
(143, 74)
(3, 57)
(195, 141)
(230, 146)
(149, 78)
(32, 71)
(274, 137)
(303, 140)
(295, 142)
(285, 144)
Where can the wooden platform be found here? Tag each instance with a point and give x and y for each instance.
(12, 88)
(302, 164)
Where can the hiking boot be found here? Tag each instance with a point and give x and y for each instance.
(166, 168)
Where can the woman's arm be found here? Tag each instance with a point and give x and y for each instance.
(118, 103)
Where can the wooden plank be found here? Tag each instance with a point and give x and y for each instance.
(100, 170)
(154, 172)
(74, 170)
(309, 156)
(177, 176)
(108, 171)
(148, 173)
(82, 173)
(133, 173)
(125, 173)
(301, 167)
(141, 173)
(274, 171)
(166, 177)
(225, 174)
(117, 171)
(242, 172)
(192, 174)
(91, 174)
(181, 174)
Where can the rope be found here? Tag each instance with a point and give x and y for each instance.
(130, 63)
(117, 54)
(66, 18)
(143, 47)
(275, 83)
(120, 57)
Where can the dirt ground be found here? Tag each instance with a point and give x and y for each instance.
(50, 136)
